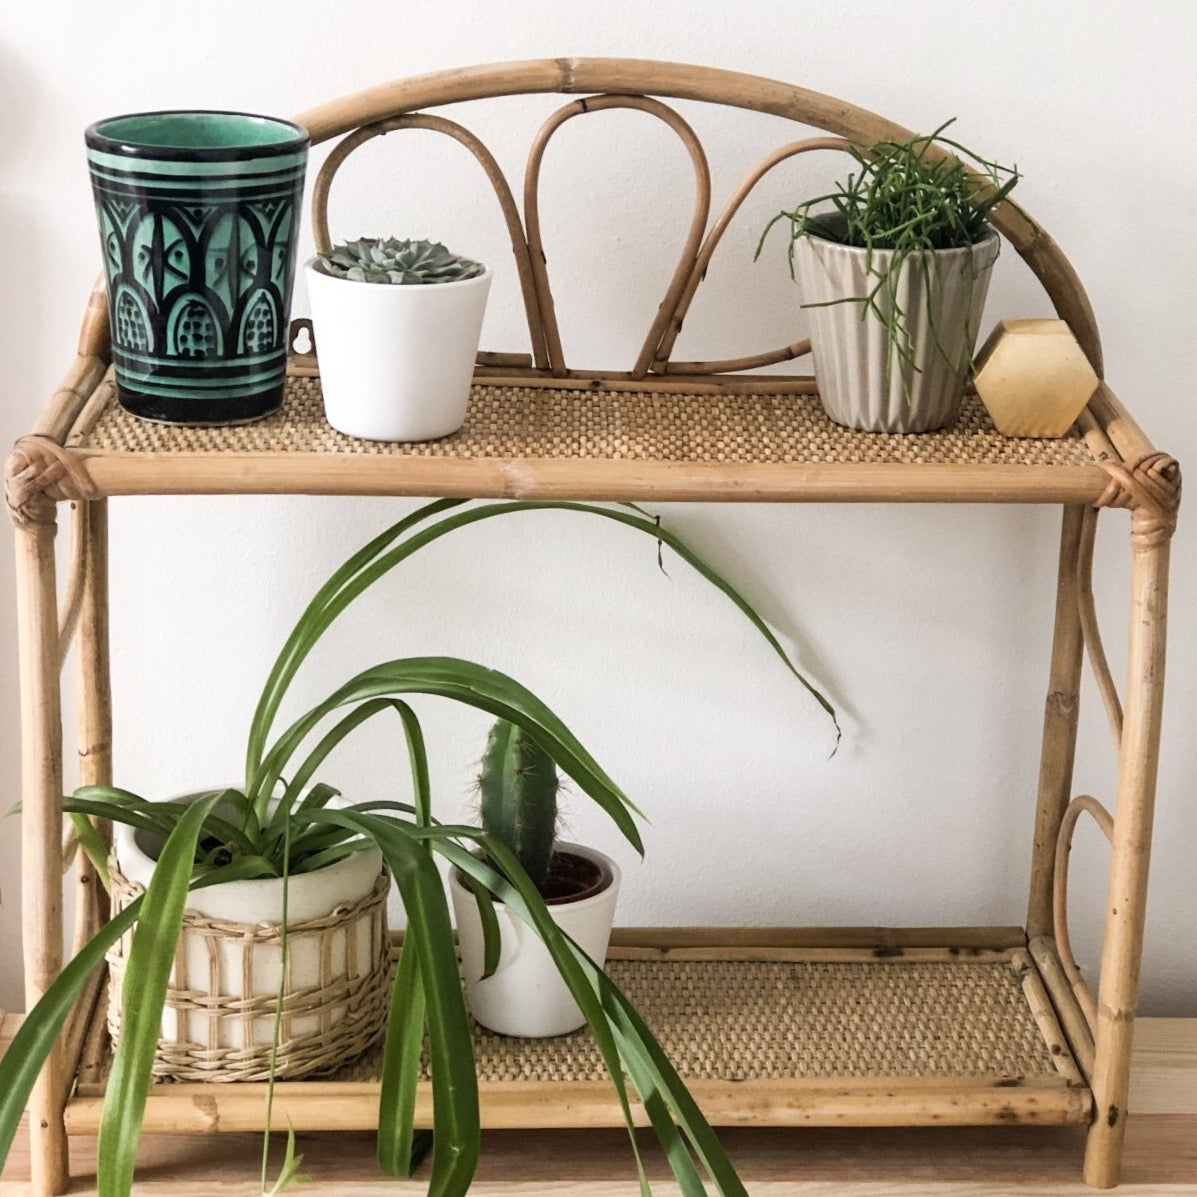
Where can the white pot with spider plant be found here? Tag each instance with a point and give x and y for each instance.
(894, 277)
(230, 977)
(397, 325)
(275, 830)
(512, 985)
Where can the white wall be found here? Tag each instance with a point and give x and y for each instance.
(930, 626)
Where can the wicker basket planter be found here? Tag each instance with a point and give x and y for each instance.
(218, 1023)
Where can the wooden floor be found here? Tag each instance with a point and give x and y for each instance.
(1161, 1153)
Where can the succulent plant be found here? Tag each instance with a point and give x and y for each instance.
(389, 260)
(518, 787)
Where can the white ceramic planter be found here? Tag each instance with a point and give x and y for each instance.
(396, 360)
(861, 382)
(331, 952)
(526, 996)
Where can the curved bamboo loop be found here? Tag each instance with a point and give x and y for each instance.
(439, 124)
(698, 221)
(682, 81)
(1084, 804)
(1090, 628)
(703, 261)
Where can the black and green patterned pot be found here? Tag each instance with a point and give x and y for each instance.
(198, 215)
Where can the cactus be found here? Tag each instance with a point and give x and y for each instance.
(378, 260)
(518, 786)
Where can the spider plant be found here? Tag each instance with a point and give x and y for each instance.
(280, 823)
(909, 198)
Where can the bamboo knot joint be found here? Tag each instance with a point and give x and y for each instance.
(1150, 487)
(39, 474)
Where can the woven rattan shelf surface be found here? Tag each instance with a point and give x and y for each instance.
(850, 1021)
(640, 425)
(533, 437)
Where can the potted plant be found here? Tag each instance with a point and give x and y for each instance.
(397, 325)
(895, 276)
(233, 983)
(277, 829)
(512, 986)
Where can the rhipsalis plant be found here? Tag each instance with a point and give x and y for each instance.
(912, 198)
(388, 260)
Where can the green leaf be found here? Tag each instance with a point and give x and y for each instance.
(289, 1174)
(316, 618)
(456, 1119)
(22, 1063)
(401, 1065)
(474, 685)
(147, 973)
(382, 554)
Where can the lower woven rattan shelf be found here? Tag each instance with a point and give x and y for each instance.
(874, 1031)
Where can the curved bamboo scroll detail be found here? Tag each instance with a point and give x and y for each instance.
(1150, 486)
(39, 474)
(1091, 629)
(702, 262)
(439, 124)
(698, 222)
(685, 81)
(1082, 805)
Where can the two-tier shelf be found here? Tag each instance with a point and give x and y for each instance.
(832, 1026)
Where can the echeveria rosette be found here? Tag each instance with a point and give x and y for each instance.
(389, 260)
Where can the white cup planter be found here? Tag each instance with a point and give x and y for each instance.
(526, 996)
(218, 1021)
(396, 360)
(862, 382)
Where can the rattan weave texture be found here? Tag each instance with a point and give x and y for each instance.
(757, 1020)
(521, 422)
(220, 1022)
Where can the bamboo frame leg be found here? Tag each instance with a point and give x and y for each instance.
(41, 829)
(95, 703)
(1138, 762)
(1059, 726)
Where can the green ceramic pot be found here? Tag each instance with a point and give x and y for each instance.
(198, 215)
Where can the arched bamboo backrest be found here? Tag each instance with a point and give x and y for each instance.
(636, 83)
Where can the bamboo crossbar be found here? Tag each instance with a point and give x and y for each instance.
(247, 473)
(1065, 1003)
(311, 1105)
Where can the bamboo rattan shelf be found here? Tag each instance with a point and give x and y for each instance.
(763, 1033)
(736, 438)
(852, 1027)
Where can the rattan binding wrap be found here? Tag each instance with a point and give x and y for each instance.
(224, 1036)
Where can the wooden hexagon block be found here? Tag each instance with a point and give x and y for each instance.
(1034, 378)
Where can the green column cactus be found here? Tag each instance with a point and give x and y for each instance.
(518, 787)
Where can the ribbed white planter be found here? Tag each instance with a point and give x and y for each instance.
(218, 1022)
(526, 996)
(861, 381)
(396, 360)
